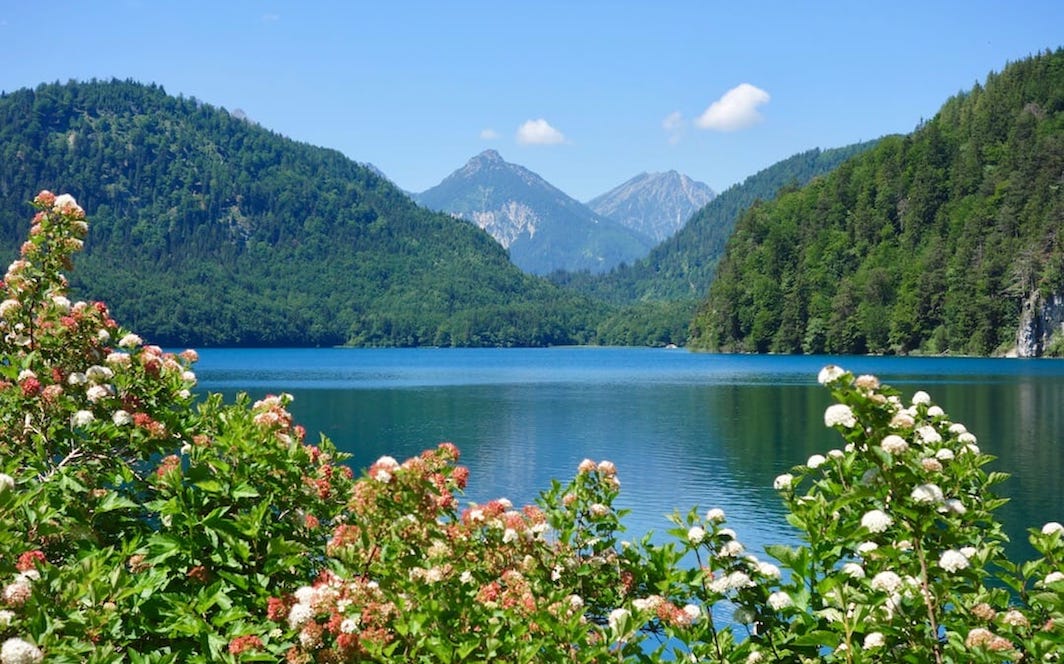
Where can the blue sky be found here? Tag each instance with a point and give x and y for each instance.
(587, 94)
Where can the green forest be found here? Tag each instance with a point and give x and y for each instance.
(653, 300)
(927, 243)
(209, 230)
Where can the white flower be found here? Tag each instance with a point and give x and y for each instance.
(865, 548)
(921, 397)
(99, 374)
(969, 551)
(874, 640)
(1052, 527)
(97, 393)
(755, 657)
(696, 534)
(299, 615)
(894, 444)
(887, 582)
(121, 418)
(17, 651)
(902, 420)
(768, 570)
(731, 549)
(783, 482)
(815, 461)
(836, 454)
(957, 428)
(349, 626)
(927, 493)
(853, 570)
(81, 418)
(8, 307)
(61, 303)
(598, 510)
(944, 454)
(732, 581)
(7, 482)
(928, 434)
(1015, 618)
(876, 521)
(953, 505)
(130, 341)
(780, 600)
(693, 612)
(727, 532)
(829, 374)
(648, 603)
(618, 618)
(935, 411)
(716, 515)
(952, 561)
(839, 414)
(63, 201)
(1053, 577)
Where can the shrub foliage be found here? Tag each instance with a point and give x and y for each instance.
(142, 524)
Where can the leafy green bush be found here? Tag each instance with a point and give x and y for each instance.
(140, 525)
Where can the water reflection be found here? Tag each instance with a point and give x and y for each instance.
(684, 429)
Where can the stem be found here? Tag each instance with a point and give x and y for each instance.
(925, 591)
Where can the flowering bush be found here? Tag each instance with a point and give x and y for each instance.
(140, 524)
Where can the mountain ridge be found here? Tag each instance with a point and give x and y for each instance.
(543, 228)
(654, 204)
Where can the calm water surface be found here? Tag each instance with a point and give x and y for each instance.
(684, 429)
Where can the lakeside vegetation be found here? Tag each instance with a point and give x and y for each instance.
(209, 230)
(931, 242)
(142, 525)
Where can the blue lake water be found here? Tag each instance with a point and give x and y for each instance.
(684, 429)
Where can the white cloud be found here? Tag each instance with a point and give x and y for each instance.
(674, 124)
(539, 132)
(736, 109)
(488, 134)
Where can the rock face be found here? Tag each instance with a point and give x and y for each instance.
(543, 228)
(1040, 320)
(654, 204)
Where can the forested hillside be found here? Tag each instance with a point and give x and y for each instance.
(206, 229)
(929, 242)
(682, 267)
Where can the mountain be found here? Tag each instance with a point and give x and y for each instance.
(209, 230)
(941, 241)
(682, 267)
(543, 228)
(654, 204)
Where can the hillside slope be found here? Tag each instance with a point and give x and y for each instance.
(209, 230)
(931, 242)
(682, 267)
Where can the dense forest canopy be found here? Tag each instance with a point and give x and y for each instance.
(930, 242)
(209, 230)
(682, 267)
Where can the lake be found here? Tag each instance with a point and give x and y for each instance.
(684, 429)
